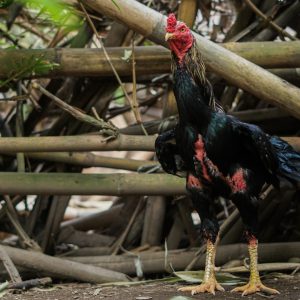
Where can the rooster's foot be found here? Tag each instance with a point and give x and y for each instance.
(253, 287)
(210, 287)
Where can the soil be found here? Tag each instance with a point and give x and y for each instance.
(289, 289)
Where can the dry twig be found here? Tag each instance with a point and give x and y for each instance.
(132, 102)
(105, 128)
(280, 30)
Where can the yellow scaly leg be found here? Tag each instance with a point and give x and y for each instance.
(255, 284)
(209, 283)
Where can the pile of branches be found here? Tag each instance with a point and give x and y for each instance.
(105, 86)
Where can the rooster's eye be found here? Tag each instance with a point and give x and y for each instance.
(182, 29)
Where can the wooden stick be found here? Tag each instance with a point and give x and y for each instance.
(288, 16)
(61, 268)
(28, 284)
(270, 22)
(9, 266)
(24, 238)
(90, 184)
(226, 64)
(104, 127)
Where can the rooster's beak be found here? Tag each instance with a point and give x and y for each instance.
(169, 36)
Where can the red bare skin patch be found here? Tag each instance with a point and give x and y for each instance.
(252, 240)
(199, 148)
(200, 154)
(237, 181)
(193, 182)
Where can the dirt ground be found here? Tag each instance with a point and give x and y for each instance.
(289, 288)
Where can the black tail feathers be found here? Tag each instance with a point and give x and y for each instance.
(289, 160)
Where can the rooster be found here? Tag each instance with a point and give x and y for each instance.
(220, 155)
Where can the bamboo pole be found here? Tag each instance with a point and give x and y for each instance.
(90, 184)
(76, 143)
(223, 62)
(61, 268)
(88, 159)
(154, 262)
(187, 11)
(149, 60)
(89, 143)
(269, 267)
(98, 220)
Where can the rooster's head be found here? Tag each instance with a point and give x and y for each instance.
(179, 37)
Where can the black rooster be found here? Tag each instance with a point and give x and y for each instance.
(221, 156)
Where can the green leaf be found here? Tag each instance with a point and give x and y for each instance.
(60, 13)
(127, 55)
(26, 67)
(5, 3)
(116, 4)
(3, 287)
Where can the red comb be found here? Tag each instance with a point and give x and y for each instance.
(171, 23)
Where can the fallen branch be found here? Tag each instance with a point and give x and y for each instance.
(104, 127)
(280, 30)
(61, 268)
(28, 284)
(24, 238)
(9, 266)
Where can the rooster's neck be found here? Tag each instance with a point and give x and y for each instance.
(191, 99)
(193, 92)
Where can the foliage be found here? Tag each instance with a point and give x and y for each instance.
(29, 66)
(5, 3)
(59, 12)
